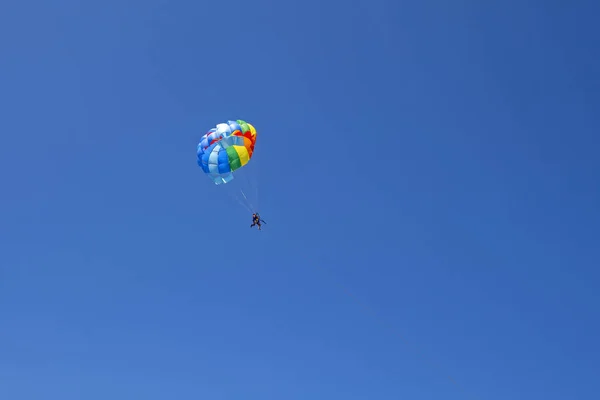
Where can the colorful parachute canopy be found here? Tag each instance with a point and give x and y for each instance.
(226, 148)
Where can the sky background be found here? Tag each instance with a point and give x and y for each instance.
(428, 172)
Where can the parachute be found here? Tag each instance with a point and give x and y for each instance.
(225, 149)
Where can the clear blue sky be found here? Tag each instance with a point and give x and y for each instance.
(438, 159)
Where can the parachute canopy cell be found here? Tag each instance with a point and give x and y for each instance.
(225, 149)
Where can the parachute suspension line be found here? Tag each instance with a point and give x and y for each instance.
(244, 205)
(248, 181)
(248, 201)
(249, 187)
(253, 177)
(236, 197)
(255, 183)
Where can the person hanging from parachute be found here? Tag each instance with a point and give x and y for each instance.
(256, 220)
